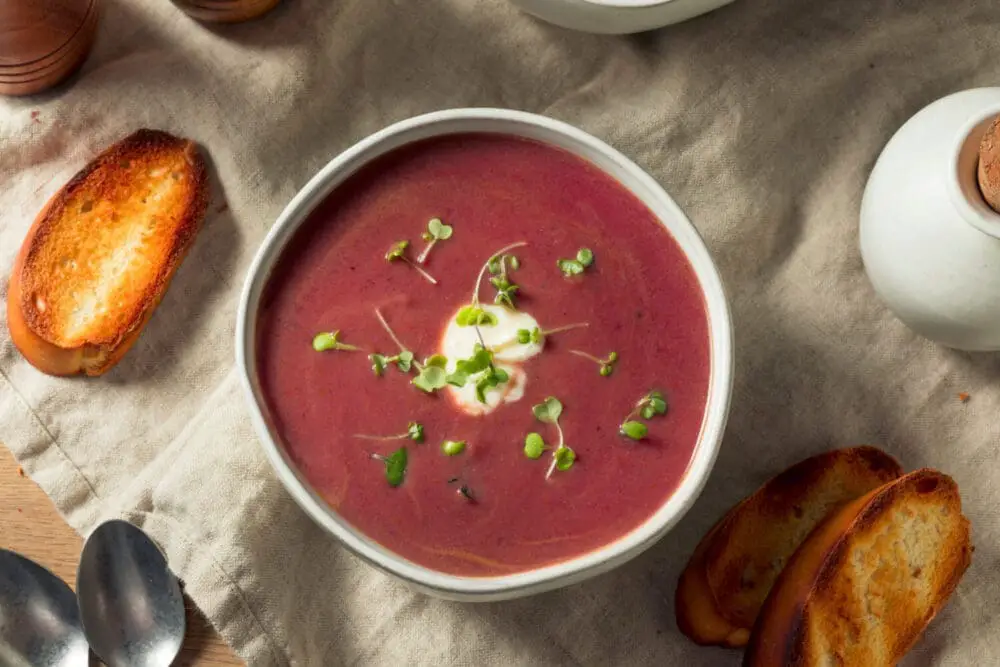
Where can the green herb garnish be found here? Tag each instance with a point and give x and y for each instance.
(436, 231)
(574, 267)
(474, 315)
(438, 360)
(564, 458)
(537, 336)
(506, 291)
(527, 336)
(328, 340)
(607, 365)
(652, 404)
(431, 378)
(491, 377)
(534, 445)
(549, 412)
(453, 447)
(414, 432)
(633, 429)
(471, 316)
(404, 359)
(397, 252)
(570, 267)
(457, 379)
(395, 466)
(496, 265)
(649, 406)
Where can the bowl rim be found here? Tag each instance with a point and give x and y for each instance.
(610, 162)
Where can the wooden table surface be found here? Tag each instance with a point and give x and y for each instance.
(30, 525)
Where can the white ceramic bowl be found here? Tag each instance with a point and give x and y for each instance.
(625, 172)
(617, 17)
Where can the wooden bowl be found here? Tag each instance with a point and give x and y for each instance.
(42, 42)
(226, 11)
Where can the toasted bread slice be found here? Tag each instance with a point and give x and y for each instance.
(101, 253)
(866, 583)
(733, 568)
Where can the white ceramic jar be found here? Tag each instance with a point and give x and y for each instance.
(930, 243)
(617, 17)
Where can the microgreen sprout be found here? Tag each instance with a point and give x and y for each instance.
(574, 267)
(404, 359)
(470, 316)
(506, 291)
(414, 432)
(649, 406)
(453, 447)
(564, 458)
(431, 378)
(607, 365)
(537, 336)
(436, 231)
(492, 377)
(395, 465)
(481, 362)
(329, 340)
(496, 264)
(534, 445)
(634, 429)
(397, 252)
(548, 412)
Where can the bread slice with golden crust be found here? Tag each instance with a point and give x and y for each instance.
(866, 583)
(733, 568)
(101, 253)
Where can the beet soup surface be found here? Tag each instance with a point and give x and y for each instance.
(641, 299)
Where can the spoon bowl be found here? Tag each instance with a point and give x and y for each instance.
(39, 621)
(130, 602)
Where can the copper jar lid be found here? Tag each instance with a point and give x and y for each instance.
(42, 42)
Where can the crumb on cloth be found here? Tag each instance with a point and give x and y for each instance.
(963, 397)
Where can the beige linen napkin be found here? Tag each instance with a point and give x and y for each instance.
(762, 120)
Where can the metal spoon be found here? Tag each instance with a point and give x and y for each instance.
(130, 602)
(39, 621)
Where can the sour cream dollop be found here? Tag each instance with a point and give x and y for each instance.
(459, 343)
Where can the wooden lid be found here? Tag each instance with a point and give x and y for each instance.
(31, 30)
(989, 165)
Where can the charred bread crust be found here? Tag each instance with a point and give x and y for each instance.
(780, 637)
(31, 330)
